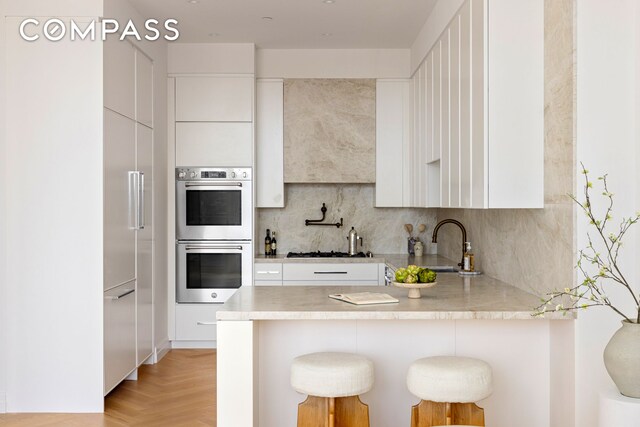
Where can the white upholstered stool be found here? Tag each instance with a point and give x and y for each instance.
(332, 382)
(449, 387)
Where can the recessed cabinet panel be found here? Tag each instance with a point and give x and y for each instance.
(479, 131)
(144, 89)
(214, 99)
(466, 124)
(392, 139)
(196, 322)
(269, 144)
(214, 144)
(445, 156)
(119, 77)
(119, 334)
(454, 113)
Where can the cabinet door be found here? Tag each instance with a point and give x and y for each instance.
(454, 113)
(479, 144)
(465, 105)
(327, 272)
(119, 235)
(214, 99)
(392, 140)
(119, 76)
(144, 252)
(144, 89)
(445, 98)
(214, 144)
(270, 144)
(196, 322)
(119, 334)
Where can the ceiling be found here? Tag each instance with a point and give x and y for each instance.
(295, 24)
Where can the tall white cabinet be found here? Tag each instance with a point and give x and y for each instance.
(477, 113)
(128, 227)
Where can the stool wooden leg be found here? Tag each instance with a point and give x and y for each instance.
(428, 414)
(329, 412)
(313, 412)
(351, 412)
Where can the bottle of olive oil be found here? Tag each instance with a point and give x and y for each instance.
(267, 243)
(274, 243)
(468, 258)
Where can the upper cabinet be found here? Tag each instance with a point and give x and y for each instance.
(214, 99)
(144, 89)
(120, 77)
(477, 119)
(270, 143)
(487, 84)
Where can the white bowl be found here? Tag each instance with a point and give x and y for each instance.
(414, 288)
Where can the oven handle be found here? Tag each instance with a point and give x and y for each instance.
(195, 248)
(213, 184)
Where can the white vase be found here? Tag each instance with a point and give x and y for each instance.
(622, 359)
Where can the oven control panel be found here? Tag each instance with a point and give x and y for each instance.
(206, 174)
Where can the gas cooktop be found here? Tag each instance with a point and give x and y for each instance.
(319, 254)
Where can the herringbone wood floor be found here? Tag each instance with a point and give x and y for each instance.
(178, 391)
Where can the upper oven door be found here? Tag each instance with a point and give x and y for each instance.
(213, 210)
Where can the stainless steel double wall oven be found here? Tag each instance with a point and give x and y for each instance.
(214, 211)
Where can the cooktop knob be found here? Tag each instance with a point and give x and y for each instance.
(182, 174)
(193, 174)
(233, 174)
(244, 174)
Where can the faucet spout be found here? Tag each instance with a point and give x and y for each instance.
(434, 237)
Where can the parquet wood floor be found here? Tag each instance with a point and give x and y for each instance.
(178, 391)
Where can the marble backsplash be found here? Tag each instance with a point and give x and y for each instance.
(381, 228)
(533, 249)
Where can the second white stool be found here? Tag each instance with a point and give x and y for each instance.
(449, 386)
(332, 382)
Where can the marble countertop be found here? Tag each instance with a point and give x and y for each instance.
(392, 260)
(453, 298)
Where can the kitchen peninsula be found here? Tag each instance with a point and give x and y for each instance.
(261, 330)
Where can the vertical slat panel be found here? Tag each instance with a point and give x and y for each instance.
(421, 148)
(428, 108)
(407, 146)
(454, 108)
(465, 105)
(445, 156)
(437, 100)
(479, 139)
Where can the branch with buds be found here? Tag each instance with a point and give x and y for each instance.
(590, 291)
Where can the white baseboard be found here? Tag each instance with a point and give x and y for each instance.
(3, 403)
(161, 350)
(193, 344)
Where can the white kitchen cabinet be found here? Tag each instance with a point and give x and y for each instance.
(214, 144)
(196, 322)
(393, 142)
(214, 99)
(119, 237)
(144, 252)
(267, 274)
(270, 143)
(330, 274)
(144, 89)
(485, 133)
(119, 334)
(119, 77)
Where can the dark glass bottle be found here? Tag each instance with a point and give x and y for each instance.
(267, 243)
(274, 244)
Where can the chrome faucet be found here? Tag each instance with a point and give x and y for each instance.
(434, 238)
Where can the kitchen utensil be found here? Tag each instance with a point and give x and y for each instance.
(409, 229)
(422, 228)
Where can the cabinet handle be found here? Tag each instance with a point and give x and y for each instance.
(141, 202)
(124, 294)
(267, 272)
(205, 323)
(195, 248)
(213, 184)
(330, 272)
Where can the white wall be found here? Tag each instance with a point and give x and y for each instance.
(222, 58)
(438, 19)
(332, 63)
(607, 142)
(53, 189)
(3, 225)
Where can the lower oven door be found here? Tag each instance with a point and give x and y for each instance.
(211, 272)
